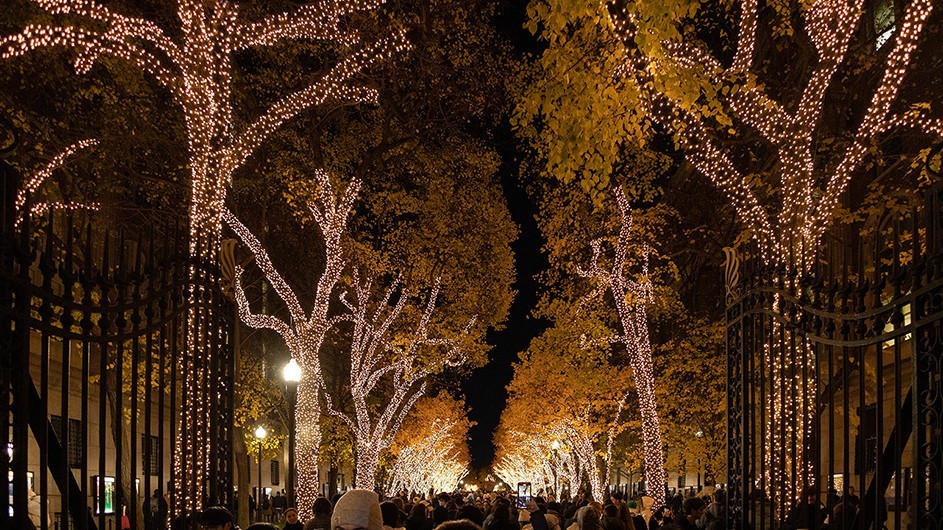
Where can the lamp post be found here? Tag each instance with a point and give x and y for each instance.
(699, 434)
(291, 374)
(556, 476)
(260, 434)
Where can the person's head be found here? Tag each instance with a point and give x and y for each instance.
(390, 514)
(633, 507)
(694, 507)
(616, 496)
(321, 506)
(502, 512)
(291, 515)
(418, 511)
(357, 510)
(810, 494)
(460, 524)
(553, 522)
(398, 501)
(553, 506)
(659, 514)
(587, 519)
(850, 490)
(262, 526)
(216, 518)
(157, 493)
(611, 510)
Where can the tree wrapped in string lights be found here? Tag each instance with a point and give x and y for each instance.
(433, 462)
(630, 299)
(195, 65)
(305, 331)
(549, 456)
(375, 357)
(807, 186)
(431, 449)
(756, 136)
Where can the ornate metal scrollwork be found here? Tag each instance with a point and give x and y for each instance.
(227, 266)
(732, 274)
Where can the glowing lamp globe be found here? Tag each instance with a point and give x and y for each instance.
(261, 433)
(291, 373)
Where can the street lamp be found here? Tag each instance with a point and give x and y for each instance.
(556, 477)
(260, 434)
(699, 434)
(291, 374)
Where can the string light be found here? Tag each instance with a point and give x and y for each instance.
(197, 71)
(789, 233)
(631, 298)
(305, 332)
(432, 462)
(788, 431)
(561, 448)
(373, 357)
(370, 345)
(34, 182)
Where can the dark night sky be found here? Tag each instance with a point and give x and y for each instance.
(484, 390)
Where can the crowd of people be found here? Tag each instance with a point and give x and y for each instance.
(365, 510)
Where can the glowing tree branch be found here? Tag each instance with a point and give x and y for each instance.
(373, 358)
(196, 67)
(33, 184)
(788, 233)
(304, 333)
(807, 188)
(631, 298)
(428, 463)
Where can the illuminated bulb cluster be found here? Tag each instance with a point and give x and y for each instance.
(631, 298)
(371, 354)
(37, 180)
(528, 457)
(787, 233)
(550, 456)
(196, 69)
(792, 390)
(374, 358)
(430, 463)
(304, 332)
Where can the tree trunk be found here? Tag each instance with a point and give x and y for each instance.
(240, 455)
(192, 447)
(125, 496)
(367, 459)
(332, 480)
(307, 444)
(239, 450)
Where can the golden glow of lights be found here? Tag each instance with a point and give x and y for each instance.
(631, 298)
(37, 179)
(788, 233)
(371, 361)
(431, 463)
(197, 71)
(304, 332)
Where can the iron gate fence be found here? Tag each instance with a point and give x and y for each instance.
(95, 318)
(834, 381)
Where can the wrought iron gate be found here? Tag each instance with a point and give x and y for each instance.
(834, 381)
(94, 312)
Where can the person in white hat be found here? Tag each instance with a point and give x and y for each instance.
(357, 510)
